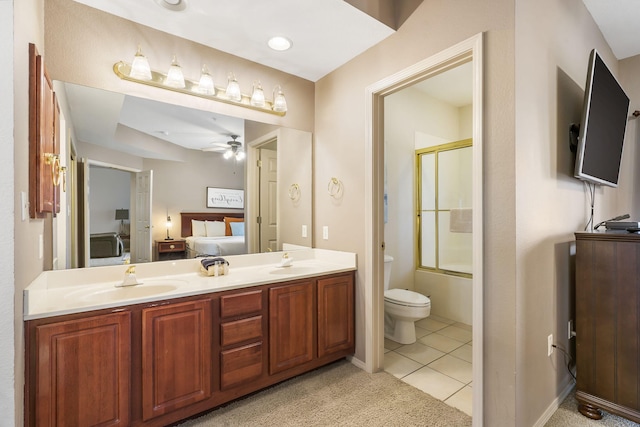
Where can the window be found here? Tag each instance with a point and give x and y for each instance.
(444, 196)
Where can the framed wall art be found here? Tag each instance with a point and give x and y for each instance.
(225, 198)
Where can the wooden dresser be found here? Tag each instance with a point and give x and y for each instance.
(608, 323)
(171, 249)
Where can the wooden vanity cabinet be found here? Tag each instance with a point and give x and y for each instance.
(336, 315)
(608, 324)
(291, 325)
(154, 364)
(176, 356)
(243, 324)
(79, 371)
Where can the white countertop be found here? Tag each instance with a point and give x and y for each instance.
(59, 292)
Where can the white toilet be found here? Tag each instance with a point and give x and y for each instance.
(401, 309)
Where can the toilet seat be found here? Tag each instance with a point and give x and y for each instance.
(406, 298)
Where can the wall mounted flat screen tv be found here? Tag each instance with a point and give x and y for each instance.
(604, 121)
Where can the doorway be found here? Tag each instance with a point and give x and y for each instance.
(466, 51)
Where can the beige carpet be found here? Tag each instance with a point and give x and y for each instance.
(567, 415)
(337, 395)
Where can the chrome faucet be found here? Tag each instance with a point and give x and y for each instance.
(129, 277)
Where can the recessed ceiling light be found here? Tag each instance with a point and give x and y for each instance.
(173, 5)
(279, 43)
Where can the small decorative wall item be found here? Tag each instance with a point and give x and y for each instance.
(335, 188)
(294, 192)
(225, 198)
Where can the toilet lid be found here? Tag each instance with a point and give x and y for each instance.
(406, 297)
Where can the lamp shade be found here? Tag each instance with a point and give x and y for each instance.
(233, 89)
(279, 101)
(174, 75)
(140, 67)
(122, 214)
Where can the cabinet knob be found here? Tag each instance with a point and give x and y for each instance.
(172, 246)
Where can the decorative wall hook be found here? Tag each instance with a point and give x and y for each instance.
(294, 192)
(335, 188)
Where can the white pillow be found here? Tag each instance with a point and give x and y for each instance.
(198, 228)
(215, 228)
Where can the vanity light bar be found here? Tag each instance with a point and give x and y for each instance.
(122, 70)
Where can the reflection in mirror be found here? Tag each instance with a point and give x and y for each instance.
(156, 161)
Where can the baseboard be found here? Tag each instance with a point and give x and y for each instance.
(556, 403)
(359, 363)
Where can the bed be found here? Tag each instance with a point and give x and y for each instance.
(213, 233)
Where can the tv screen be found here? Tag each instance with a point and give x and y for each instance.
(604, 121)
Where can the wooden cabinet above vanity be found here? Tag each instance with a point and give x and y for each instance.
(160, 362)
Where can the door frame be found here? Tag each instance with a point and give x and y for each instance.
(374, 184)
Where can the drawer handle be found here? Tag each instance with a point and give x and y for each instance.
(172, 246)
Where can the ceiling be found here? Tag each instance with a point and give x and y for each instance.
(619, 21)
(325, 34)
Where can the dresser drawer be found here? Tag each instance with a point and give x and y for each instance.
(177, 246)
(241, 304)
(239, 365)
(240, 330)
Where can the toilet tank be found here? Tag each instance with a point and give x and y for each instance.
(388, 259)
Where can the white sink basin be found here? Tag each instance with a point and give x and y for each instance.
(146, 289)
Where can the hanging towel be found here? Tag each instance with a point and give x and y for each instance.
(460, 220)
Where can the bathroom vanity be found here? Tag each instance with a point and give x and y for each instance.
(101, 355)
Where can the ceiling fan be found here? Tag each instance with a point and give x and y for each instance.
(231, 149)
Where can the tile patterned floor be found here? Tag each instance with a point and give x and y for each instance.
(438, 363)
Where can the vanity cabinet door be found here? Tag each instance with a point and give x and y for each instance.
(176, 356)
(291, 326)
(83, 372)
(336, 315)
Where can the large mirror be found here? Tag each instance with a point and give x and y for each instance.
(149, 181)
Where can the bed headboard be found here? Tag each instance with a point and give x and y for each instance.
(186, 217)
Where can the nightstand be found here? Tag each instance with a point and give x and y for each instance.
(171, 249)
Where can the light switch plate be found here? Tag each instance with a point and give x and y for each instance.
(304, 231)
(325, 232)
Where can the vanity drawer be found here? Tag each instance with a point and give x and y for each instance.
(240, 304)
(240, 330)
(240, 364)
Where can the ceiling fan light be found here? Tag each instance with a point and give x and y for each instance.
(140, 67)
(279, 101)
(240, 155)
(257, 97)
(174, 75)
(233, 89)
(228, 154)
(205, 85)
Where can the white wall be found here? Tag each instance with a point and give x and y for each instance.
(182, 186)
(340, 147)
(109, 189)
(413, 118)
(630, 175)
(24, 26)
(553, 41)
(8, 398)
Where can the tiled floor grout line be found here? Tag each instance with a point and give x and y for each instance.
(464, 384)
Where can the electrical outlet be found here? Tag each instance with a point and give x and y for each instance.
(550, 345)
(304, 231)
